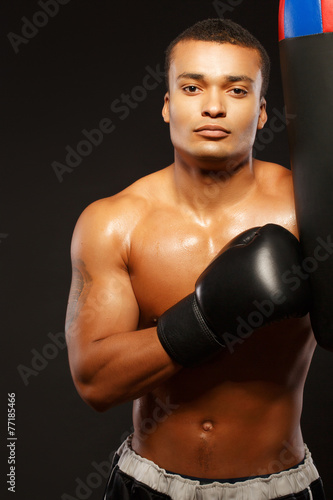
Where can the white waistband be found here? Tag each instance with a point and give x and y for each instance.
(180, 488)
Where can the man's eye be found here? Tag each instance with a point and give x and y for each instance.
(240, 92)
(190, 88)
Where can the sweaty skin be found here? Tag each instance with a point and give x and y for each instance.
(139, 252)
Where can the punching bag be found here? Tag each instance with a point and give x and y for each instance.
(306, 55)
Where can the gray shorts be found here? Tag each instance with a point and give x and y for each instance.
(135, 477)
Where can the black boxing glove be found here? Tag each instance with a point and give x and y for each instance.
(250, 271)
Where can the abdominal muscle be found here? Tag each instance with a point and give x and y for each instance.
(237, 415)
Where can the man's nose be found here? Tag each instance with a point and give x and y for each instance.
(214, 105)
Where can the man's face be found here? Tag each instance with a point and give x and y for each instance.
(213, 105)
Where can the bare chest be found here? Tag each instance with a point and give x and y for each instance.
(170, 251)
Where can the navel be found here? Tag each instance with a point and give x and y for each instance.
(207, 425)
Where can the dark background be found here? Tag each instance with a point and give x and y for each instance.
(61, 82)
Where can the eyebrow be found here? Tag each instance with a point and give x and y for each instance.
(192, 76)
(239, 78)
(228, 78)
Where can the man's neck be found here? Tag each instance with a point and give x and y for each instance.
(203, 190)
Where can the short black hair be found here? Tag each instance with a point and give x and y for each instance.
(221, 31)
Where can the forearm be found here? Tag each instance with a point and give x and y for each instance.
(120, 367)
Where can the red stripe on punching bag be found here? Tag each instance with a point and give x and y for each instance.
(281, 20)
(327, 15)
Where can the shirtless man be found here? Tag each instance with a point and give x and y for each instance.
(210, 422)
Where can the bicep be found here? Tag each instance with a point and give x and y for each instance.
(100, 306)
(101, 299)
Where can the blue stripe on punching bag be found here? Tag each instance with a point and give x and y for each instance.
(302, 17)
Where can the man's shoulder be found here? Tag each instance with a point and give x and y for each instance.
(271, 168)
(147, 189)
(127, 207)
(273, 177)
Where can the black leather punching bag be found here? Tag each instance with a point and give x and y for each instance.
(306, 54)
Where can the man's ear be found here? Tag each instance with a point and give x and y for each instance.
(262, 119)
(165, 109)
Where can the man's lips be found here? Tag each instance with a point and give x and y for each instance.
(215, 131)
